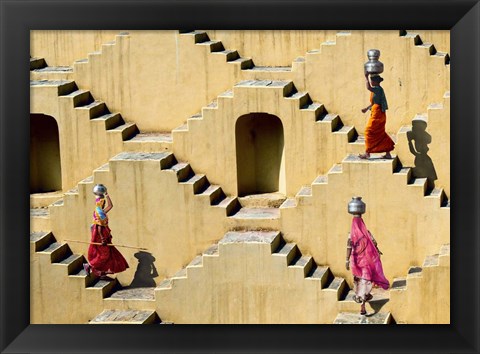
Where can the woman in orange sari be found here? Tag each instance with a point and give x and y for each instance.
(376, 138)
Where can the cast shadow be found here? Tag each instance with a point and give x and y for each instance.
(146, 271)
(418, 140)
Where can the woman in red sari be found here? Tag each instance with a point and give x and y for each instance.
(103, 259)
(376, 138)
(363, 257)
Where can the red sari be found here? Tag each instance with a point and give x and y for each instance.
(103, 259)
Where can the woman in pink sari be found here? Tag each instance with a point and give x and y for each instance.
(363, 257)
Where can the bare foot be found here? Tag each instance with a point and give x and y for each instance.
(387, 156)
(362, 310)
(364, 156)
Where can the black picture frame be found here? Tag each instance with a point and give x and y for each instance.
(18, 17)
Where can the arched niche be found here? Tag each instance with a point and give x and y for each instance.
(260, 157)
(45, 168)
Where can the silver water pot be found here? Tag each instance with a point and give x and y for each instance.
(99, 189)
(356, 206)
(373, 65)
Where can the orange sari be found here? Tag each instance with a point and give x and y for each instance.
(376, 139)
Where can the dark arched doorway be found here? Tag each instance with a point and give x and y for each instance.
(45, 169)
(260, 154)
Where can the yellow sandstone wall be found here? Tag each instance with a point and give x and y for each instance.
(64, 47)
(160, 80)
(413, 78)
(278, 47)
(145, 74)
(440, 39)
(151, 209)
(426, 298)
(407, 225)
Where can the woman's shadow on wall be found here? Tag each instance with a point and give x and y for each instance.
(146, 271)
(418, 140)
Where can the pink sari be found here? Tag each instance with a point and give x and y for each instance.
(365, 260)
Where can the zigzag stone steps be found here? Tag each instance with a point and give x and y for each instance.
(306, 117)
(301, 268)
(404, 291)
(59, 255)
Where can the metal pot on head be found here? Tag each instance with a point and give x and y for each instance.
(99, 189)
(356, 206)
(373, 65)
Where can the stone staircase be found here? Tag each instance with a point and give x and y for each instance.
(294, 273)
(245, 65)
(436, 195)
(396, 299)
(301, 118)
(46, 252)
(430, 47)
(101, 133)
(435, 307)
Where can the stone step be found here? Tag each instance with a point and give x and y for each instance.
(286, 86)
(182, 170)
(230, 204)
(287, 250)
(229, 54)
(264, 200)
(64, 87)
(257, 214)
(52, 73)
(333, 119)
(214, 46)
(37, 63)
(106, 287)
(211, 251)
(57, 251)
(369, 318)
(271, 68)
(79, 97)
(143, 293)
(302, 97)
(213, 193)
(245, 63)
(340, 286)
(73, 262)
(380, 298)
(149, 142)
(126, 317)
(320, 273)
(166, 159)
(399, 284)
(110, 120)
(126, 130)
(41, 240)
(95, 109)
(39, 212)
(304, 262)
(198, 182)
(43, 200)
(269, 237)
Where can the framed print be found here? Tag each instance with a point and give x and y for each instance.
(221, 147)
